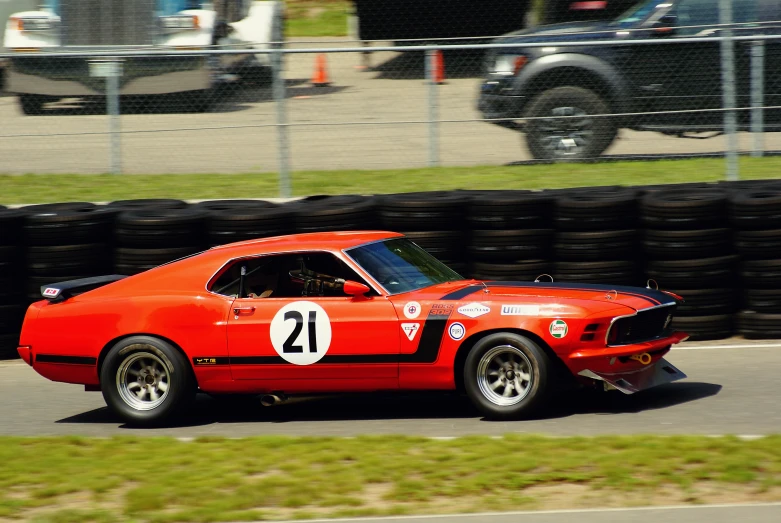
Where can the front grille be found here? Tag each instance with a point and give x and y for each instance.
(646, 325)
(108, 22)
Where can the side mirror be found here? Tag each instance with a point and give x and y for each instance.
(665, 26)
(353, 288)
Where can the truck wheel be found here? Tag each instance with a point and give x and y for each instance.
(572, 133)
(507, 376)
(146, 381)
(31, 104)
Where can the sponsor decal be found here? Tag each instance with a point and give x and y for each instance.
(667, 321)
(412, 310)
(558, 328)
(410, 329)
(51, 291)
(473, 310)
(456, 331)
(441, 309)
(206, 361)
(520, 310)
(301, 332)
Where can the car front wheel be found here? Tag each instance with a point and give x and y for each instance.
(564, 125)
(507, 376)
(146, 381)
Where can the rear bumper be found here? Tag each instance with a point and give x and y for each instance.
(70, 76)
(25, 352)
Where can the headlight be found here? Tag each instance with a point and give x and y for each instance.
(508, 65)
(180, 22)
(37, 23)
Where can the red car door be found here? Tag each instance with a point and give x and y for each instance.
(315, 342)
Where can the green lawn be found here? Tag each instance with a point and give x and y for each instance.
(35, 188)
(159, 479)
(316, 17)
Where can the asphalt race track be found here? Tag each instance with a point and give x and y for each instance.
(732, 388)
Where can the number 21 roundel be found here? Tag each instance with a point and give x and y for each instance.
(301, 332)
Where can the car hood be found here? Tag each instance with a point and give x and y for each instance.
(569, 32)
(636, 298)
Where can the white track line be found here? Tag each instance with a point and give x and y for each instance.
(737, 346)
(543, 512)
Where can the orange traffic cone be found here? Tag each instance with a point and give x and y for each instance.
(320, 76)
(437, 67)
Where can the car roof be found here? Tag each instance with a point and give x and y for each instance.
(307, 241)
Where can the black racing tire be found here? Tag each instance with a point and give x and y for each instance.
(147, 203)
(8, 345)
(716, 327)
(595, 246)
(761, 274)
(707, 302)
(510, 245)
(147, 228)
(11, 223)
(684, 209)
(151, 257)
(335, 213)
(508, 210)
(700, 273)
(767, 301)
(424, 211)
(156, 362)
(67, 223)
(758, 208)
(759, 245)
(528, 359)
(603, 272)
(596, 210)
(526, 270)
(687, 245)
(544, 144)
(757, 326)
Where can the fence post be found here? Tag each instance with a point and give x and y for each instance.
(758, 97)
(728, 88)
(283, 148)
(433, 109)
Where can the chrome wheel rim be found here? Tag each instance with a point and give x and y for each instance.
(567, 133)
(504, 375)
(143, 381)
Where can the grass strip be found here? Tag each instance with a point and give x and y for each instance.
(316, 17)
(44, 188)
(213, 479)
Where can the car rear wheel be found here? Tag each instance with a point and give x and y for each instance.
(146, 381)
(568, 128)
(506, 376)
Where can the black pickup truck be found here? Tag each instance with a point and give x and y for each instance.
(554, 93)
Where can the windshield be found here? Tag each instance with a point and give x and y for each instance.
(637, 13)
(401, 266)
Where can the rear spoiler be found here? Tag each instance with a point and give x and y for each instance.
(66, 289)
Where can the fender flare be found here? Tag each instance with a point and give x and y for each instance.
(617, 85)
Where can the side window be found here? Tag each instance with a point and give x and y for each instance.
(696, 16)
(287, 276)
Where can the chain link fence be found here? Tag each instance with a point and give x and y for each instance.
(633, 88)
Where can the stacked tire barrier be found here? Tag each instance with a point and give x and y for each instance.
(12, 302)
(433, 220)
(717, 245)
(596, 236)
(688, 247)
(756, 216)
(508, 237)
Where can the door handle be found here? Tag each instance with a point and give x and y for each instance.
(239, 310)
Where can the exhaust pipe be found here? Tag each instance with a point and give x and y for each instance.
(267, 400)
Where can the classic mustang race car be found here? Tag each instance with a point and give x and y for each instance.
(341, 312)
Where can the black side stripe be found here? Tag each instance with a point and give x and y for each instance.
(650, 295)
(67, 360)
(427, 351)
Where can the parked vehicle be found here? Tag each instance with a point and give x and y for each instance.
(559, 11)
(109, 25)
(563, 97)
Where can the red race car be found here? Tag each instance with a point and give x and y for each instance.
(340, 312)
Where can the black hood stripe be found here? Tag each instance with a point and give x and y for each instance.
(461, 293)
(652, 296)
